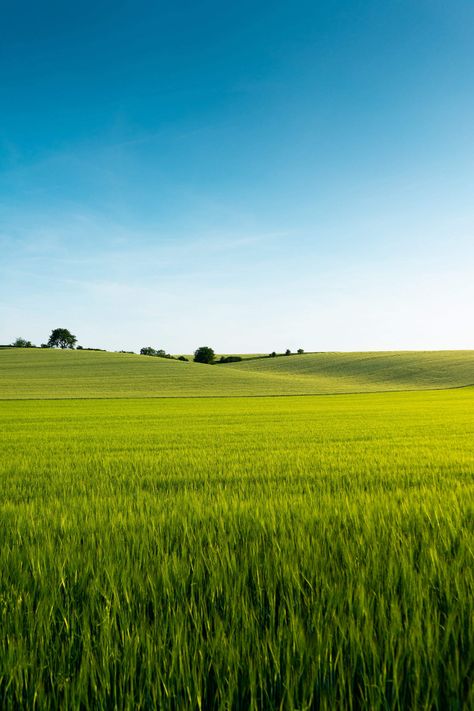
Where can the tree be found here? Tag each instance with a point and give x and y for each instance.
(160, 353)
(300, 351)
(272, 354)
(287, 352)
(147, 350)
(62, 338)
(22, 343)
(204, 354)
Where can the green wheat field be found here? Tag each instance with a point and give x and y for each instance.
(181, 536)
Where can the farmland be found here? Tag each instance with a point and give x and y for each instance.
(234, 553)
(30, 373)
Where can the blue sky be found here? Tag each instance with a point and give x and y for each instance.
(250, 175)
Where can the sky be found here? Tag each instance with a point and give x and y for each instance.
(253, 176)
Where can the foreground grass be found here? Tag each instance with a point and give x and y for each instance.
(286, 553)
(35, 373)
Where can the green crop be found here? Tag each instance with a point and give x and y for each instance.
(365, 372)
(272, 553)
(35, 373)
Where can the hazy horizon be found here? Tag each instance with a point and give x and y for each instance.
(251, 177)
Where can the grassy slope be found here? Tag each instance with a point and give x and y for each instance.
(365, 372)
(40, 374)
(28, 373)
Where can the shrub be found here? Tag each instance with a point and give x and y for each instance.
(22, 343)
(204, 354)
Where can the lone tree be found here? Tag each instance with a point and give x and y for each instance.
(204, 354)
(300, 351)
(61, 338)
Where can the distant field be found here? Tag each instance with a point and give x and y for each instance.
(396, 370)
(37, 373)
(272, 553)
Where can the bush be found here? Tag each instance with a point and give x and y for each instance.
(183, 358)
(22, 343)
(204, 354)
(229, 359)
(160, 353)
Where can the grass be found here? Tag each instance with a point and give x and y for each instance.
(360, 372)
(35, 373)
(273, 553)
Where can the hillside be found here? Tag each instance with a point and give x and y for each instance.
(43, 374)
(360, 372)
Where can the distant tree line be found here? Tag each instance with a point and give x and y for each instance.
(205, 354)
(64, 339)
(274, 354)
(22, 343)
(159, 353)
(59, 338)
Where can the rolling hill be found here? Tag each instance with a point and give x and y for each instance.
(361, 372)
(51, 374)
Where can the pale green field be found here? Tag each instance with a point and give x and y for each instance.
(265, 553)
(394, 370)
(26, 373)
